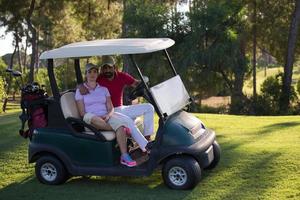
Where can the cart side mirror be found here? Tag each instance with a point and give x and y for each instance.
(146, 79)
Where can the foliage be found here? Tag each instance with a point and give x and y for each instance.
(97, 20)
(267, 103)
(154, 14)
(216, 43)
(273, 26)
(298, 86)
(64, 74)
(213, 38)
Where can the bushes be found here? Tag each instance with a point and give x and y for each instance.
(267, 103)
(209, 109)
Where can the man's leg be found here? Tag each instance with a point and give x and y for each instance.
(135, 132)
(134, 111)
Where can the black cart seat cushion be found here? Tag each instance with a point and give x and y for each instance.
(69, 108)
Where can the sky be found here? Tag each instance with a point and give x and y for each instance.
(5, 42)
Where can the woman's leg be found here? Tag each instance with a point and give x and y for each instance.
(121, 139)
(100, 124)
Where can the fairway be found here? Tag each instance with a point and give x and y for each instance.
(260, 160)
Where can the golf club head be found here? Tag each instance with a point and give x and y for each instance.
(8, 70)
(16, 73)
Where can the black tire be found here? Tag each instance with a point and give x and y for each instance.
(217, 155)
(49, 170)
(181, 173)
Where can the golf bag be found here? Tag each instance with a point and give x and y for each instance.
(34, 109)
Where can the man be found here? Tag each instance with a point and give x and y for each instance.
(115, 82)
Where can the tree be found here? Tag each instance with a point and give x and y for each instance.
(97, 21)
(3, 95)
(217, 41)
(33, 39)
(289, 61)
(254, 36)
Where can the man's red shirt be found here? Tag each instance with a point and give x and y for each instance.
(116, 86)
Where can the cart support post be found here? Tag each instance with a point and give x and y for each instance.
(170, 62)
(78, 71)
(146, 87)
(52, 79)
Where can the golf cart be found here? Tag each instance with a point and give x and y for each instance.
(67, 146)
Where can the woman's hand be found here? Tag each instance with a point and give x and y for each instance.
(106, 117)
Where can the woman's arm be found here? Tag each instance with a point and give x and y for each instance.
(80, 106)
(109, 107)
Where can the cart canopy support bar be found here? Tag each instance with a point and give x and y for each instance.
(146, 86)
(53, 83)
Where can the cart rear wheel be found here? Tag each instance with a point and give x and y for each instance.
(217, 155)
(49, 170)
(181, 173)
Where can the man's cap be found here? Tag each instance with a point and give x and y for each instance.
(89, 66)
(108, 60)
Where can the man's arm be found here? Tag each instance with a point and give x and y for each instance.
(135, 83)
(82, 89)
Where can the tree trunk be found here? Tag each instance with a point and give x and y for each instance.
(288, 67)
(125, 58)
(9, 79)
(254, 50)
(125, 35)
(108, 4)
(25, 53)
(17, 39)
(237, 96)
(33, 41)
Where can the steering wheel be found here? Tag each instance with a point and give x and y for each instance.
(139, 91)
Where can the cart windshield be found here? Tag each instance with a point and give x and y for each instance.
(170, 95)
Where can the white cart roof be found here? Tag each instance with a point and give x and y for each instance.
(109, 47)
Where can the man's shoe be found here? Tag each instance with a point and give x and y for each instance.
(150, 145)
(148, 138)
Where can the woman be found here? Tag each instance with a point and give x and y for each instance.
(96, 108)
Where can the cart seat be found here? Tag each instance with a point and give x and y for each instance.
(69, 108)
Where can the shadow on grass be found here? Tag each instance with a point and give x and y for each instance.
(94, 188)
(9, 133)
(239, 175)
(256, 177)
(278, 126)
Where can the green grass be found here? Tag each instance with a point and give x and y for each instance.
(260, 160)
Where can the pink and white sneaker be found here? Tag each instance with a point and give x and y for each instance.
(127, 160)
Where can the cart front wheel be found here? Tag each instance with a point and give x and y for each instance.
(49, 170)
(181, 173)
